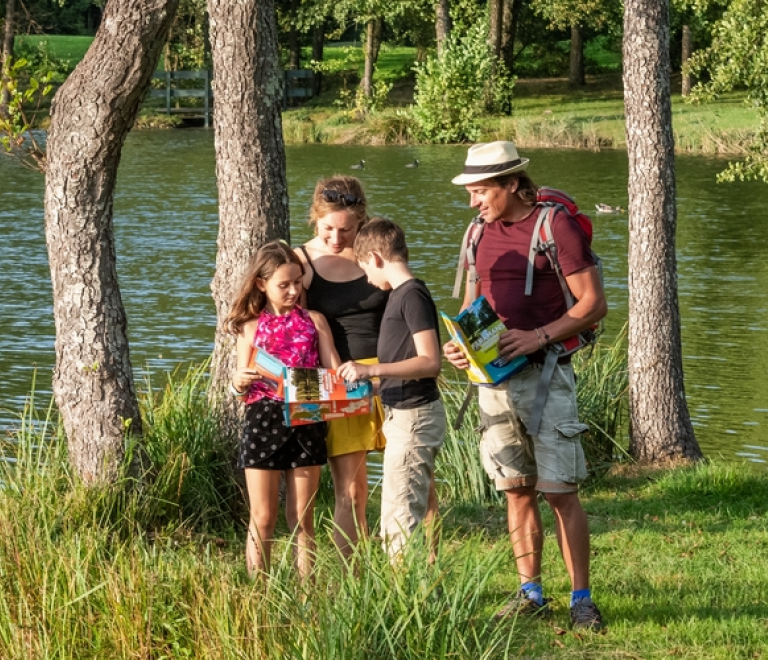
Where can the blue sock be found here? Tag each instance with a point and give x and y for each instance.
(579, 594)
(534, 592)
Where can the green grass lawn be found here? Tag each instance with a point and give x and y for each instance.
(155, 568)
(64, 47)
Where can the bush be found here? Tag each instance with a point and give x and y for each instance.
(450, 89)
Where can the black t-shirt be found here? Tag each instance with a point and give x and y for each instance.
(410, 309)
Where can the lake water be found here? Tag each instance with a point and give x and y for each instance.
(166, 229)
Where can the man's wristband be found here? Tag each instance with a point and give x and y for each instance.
(235, 392)
(538, 336)
(547, 338)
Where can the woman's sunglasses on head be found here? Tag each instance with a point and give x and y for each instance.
(336, 197)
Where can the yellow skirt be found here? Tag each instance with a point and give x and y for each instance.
(359, 432)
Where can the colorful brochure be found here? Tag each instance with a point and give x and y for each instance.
(477, 330)
(312, 395)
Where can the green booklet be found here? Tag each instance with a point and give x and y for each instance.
(477, 330)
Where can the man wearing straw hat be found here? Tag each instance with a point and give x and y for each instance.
(551, 460)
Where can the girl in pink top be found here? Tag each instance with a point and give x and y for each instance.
(265, 314)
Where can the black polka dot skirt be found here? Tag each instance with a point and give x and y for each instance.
(268, 444)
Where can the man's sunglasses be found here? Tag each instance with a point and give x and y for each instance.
(336, 197)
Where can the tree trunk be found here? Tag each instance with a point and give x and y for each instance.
(660, 423)
(318, 43)
(495, 23)
(442, 23)
(576, 72)
(372, 45)
(294, 46)
(91, 115)
(686, 54)
(6, 54)
(250, 155)
(510, 17)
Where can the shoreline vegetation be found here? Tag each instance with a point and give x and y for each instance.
(153, 566)
(546, 112)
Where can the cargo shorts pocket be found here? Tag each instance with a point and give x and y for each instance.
(571, 429)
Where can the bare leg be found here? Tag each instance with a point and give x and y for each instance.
(572, 530)
(302, 486)
(350, 488)
(525, 532)
(263, 500)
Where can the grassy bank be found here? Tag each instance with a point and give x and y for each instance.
(546, 113)
(155, 569)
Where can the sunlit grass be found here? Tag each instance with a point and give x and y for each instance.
(153, 567)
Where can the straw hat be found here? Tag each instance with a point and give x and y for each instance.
(488, 160)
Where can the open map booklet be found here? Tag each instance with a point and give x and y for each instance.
(477, 330)
(312, 395)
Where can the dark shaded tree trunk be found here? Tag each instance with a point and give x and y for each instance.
(510, 20)
(318, 44)
(372, 46)
(6, 53)
(495, 24)
(91, 115)
(294, 43)
(442, 23)
(576, 71)
(250, 155)
(686, 55)
(661, 428)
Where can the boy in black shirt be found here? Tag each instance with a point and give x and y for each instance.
(409, 363)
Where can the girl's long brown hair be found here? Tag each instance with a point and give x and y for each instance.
(250, 300)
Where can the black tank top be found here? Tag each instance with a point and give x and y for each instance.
(353, 309)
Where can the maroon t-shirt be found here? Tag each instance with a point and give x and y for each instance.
(502, 261)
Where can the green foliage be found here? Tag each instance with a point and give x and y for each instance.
(451, 88)
(16, 139)
(562, 14)
(602, 383)
(41, 61)
(186, 48)
(738, 57)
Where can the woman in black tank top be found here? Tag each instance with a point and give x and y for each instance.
(338, 288)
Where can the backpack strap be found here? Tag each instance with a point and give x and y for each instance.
(467, 256)
(542, 240)
(542, 389)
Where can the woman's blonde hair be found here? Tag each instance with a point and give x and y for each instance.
(339, 193)
(250, 300)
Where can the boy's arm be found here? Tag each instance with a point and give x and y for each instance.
(329, 357)
(426, 364)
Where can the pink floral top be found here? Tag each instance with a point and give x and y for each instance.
(292, 338)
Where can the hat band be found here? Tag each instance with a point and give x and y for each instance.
(491, 169)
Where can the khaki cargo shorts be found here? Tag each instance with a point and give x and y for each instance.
(553, 461)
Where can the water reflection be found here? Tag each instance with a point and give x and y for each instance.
(166, 230)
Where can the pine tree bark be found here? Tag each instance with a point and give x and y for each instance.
(6, 53)
(661, 428)
(250, 154)
(91, 115)
(576, 73)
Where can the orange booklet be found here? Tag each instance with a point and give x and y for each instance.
(312, 395)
